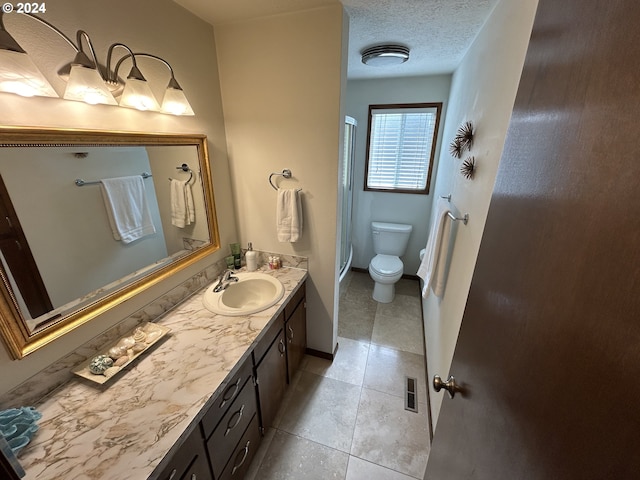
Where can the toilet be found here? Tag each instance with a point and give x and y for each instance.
(389, 243)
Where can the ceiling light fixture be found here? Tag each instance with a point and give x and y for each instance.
(385, 55)
(86, 82)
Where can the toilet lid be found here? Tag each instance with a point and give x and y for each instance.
(387, 264)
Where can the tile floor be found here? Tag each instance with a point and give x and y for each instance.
(346, 419)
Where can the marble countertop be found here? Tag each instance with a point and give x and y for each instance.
(124, 428)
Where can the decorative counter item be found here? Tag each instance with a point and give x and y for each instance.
(103, 367)
(99, 364)
(18, 425)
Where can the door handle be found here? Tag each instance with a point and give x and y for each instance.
(450, 385)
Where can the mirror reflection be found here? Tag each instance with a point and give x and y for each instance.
(80, 222)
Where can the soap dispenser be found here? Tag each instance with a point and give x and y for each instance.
(250, 257)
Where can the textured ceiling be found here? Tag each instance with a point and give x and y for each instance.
(438, 32)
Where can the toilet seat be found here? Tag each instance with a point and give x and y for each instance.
(386, 265)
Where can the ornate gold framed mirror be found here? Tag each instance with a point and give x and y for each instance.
(89, 219)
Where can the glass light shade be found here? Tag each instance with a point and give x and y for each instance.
(137, 94)
(86, 85)
(19, 75)
(175, 102)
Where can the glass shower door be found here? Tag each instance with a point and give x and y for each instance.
(347, 191)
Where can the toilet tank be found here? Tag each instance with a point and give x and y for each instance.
(390, 238)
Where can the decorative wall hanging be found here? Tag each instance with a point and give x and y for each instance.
(468, 167)
(465, 135)
(463, 140)
(456, 148)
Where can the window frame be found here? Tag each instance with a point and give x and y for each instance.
(434, 142)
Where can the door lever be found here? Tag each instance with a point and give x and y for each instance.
(450, 385)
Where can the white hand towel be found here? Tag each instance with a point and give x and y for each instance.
(289, 215)
(182, 210)
(432, 268)
(127, 208)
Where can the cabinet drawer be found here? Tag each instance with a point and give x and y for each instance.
(293, 303)
(266, 341)
(231, 427)
(223, 401)
(243, 454)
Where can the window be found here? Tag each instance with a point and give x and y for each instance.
(401, 145)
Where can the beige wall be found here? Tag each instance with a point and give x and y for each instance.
(67, 227)
(281, 83)
(168, 31)
(483, 91)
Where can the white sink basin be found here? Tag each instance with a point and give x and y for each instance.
(252, 293)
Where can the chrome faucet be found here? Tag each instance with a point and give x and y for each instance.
(225, 279)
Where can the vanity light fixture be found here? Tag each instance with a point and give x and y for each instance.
(385, 55)
(85, 81)
(18, 73)
(174, 101)
(137, 92)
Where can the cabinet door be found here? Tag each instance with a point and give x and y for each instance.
(199, 469)
(188, 460)
(271, 376)
(296, 333)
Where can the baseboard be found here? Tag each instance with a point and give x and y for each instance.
(325, 355)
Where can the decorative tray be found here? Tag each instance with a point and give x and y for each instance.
(103, 367)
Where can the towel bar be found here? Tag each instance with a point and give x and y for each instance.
(464, 219)
(79, 182)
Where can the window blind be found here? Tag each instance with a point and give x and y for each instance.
(400, 146)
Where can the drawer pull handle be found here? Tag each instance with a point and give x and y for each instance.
(281, 347)
(226, 397)
(173, 474)
(238, 416)
(244, 457)
(290, 334)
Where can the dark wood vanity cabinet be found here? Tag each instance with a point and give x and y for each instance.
(223, 444)
(278, 356)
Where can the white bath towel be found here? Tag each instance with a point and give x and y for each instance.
(182, 211)
(127, 209)
(289, 215)
(432, 268)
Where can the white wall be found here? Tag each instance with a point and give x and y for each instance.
(168, 31)
(483, 91)
(281, 83)
(391, 207)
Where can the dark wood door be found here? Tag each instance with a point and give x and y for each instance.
(17, 254)
(549, 349)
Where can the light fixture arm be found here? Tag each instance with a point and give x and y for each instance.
(134, 70)
(173, 82)
(82, 58)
